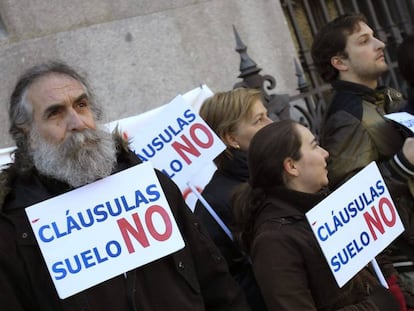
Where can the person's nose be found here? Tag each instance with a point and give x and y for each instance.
(268, 120)
(75, 122)
(325, 153)
(379, 44)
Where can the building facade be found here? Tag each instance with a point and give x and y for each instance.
(139, 54)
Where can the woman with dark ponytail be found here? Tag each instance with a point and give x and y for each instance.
(287, 177)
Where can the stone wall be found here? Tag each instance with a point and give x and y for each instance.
(140, 54)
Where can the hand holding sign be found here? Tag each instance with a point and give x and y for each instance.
(406, 122)
(403, 118)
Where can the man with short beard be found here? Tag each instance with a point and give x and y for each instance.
(60, 146)
(354, 131)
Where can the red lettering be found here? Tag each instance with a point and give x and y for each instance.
(387, 202)
(150, 225)
(137, 232)
(205, 130)
(189, 147)
(376, 221)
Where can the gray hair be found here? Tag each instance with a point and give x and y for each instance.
(21, 110)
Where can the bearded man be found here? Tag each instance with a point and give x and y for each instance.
(61, 146)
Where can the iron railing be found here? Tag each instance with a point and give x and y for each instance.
(391, 21)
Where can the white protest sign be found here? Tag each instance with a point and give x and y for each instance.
(104, 229)
(5, 156)
(174, 138)
(133, 127)
(355, 223)
(197, 96)
(199, 179)
(404, 118)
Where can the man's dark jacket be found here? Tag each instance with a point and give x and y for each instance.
(355, 132)
(194, 278)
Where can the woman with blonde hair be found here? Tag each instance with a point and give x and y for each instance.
(235, 116)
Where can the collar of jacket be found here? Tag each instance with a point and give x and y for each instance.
(371, 95)
(234, 164)
(388, 99)
(282, 203)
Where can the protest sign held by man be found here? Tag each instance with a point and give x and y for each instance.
(347, 54)
(60, 147)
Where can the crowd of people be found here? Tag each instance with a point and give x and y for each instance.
(268, 177)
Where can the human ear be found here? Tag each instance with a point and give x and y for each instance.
(339, 63)
(290, 167)
(230, 141)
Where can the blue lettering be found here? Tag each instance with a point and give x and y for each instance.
(60, 271)
(330, 232)
(335, 263)
(181, 123)
(141, 157)
(153, 193)
(99, 210)
(176, 166)
(57, 232)
(322, 238)
(140, 198)
(167, 174)
(360, 208)
(352, 209)
(98, 256)
(364, 237)
(157, 143)
(111, 212)
(189, 115)
(173, 131)
(42, 237)
(86, 258)
(126, 205)
(337, 223)
(150, 153)
(374, 193)
(82, 220)
(367, 202)
(345, 259)
(117, 250)
(71, 224)
(380, 187)
(77, 267)
(350, 249)
(344, 219)
(168, 139)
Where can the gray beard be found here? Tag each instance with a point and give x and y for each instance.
(80, 159)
